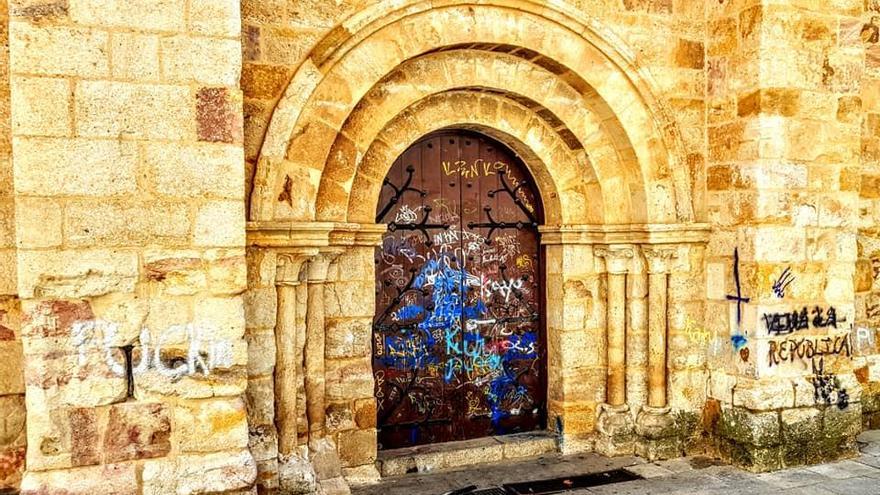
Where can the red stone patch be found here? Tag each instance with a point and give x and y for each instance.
(84, 437)
(215, 118)
(11, 467)
(56, 318)
(137, 431)
(251, 43)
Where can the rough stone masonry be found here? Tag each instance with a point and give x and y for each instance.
(188, 229)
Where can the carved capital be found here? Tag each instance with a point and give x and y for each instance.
(320, 263)
(289, 266)
(659, 258)
(617, 258)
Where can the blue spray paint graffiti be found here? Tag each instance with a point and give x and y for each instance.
(468, 354)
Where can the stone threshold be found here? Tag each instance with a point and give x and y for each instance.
(453, 455)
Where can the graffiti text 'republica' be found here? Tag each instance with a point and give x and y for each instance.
(807, 348)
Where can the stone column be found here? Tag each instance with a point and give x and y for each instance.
(616, 265)
(287, 279)
(294, 472)
(314, 346)
(323, 453)
(654, 421)
(658, 269)
(636, 335)
(615, 425)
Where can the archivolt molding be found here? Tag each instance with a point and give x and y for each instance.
(551, 103)
(370, 45)
(529, 137)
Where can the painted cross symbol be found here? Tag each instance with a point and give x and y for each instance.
(738, 340)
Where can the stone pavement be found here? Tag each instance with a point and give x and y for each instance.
(685, 476)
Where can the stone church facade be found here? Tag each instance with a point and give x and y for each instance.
(204, 206)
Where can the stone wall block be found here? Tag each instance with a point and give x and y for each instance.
(145, 111)
(209, 473)
(41, 106)
(764, 395)
(208, 426)
(357, 448)
(201, 60)
(12, 426)
(220, 224)
(348, 338)
(75, 274)
(215, 17)
(164, 15)
(119, 479)
(11, 376)
(199, 171)
(261, 353)
(220, 318)
(54, 166)
(227, 271)
(760, 429)
(61, 50)
(135, 56)
(218, 115)
(125, 223)
(800, 429)
(260, 305)
(260, 400)
(349, 379)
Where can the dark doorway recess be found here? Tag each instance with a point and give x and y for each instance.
(458, 337)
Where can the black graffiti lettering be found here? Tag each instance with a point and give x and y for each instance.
(827, 388)
(808, 348)
(774, 356)
(786, 323)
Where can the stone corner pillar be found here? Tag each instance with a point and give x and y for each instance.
(615, 423)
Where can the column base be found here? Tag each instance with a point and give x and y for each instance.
(295, 475)
(325, 461)
(657, 438)
(615, 431)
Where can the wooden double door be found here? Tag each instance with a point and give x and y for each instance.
(458, 335)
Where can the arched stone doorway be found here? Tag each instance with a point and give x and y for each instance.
(618, 237)
(459, 349)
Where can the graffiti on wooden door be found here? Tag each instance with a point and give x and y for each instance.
(458, 341)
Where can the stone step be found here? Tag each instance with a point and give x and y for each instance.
(452, 455)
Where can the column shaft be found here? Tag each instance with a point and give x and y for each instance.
(616, 339)
(657, 324)
(636, 339)
(285, 368)
(314, 361)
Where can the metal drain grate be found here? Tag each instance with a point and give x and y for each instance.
(562, 485)
(490, 491)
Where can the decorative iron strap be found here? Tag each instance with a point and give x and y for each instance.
(399, 192)
(422, 226)
(493, 225)
(505, 187)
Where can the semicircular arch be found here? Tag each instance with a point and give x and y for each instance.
(328, 86)
(441, 111)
